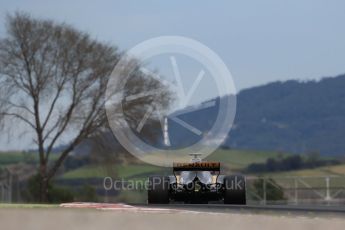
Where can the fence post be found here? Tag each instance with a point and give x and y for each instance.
(2, 193)
(264, 191)
(10, 185)
(296, 191)
(328, 195)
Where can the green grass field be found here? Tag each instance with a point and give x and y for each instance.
(8, 158)
(335, 170)
(240, 159)
(233, 160)
(99, 171)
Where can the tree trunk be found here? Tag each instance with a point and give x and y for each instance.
(44, 190)
(43, 193)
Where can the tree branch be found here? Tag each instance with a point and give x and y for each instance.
(19, 117)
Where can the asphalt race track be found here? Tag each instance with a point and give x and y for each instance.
(298, 209)
(121, 216)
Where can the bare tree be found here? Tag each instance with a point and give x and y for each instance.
(53, 78)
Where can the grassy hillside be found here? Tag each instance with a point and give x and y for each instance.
(336, 170)
(9, 158)
(236, 160)
(100, 171)
(231, 160)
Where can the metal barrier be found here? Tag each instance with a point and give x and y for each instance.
(296, 190)
(6, 180)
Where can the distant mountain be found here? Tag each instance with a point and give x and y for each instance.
(292, 116)
(289, 116)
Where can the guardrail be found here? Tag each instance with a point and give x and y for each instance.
(296, 190)
(6, 182)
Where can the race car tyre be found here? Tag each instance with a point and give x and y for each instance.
(235, 190)
(158, 190)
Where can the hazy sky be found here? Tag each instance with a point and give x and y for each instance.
(260, 41)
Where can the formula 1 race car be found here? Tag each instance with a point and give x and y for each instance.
(197, 183)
